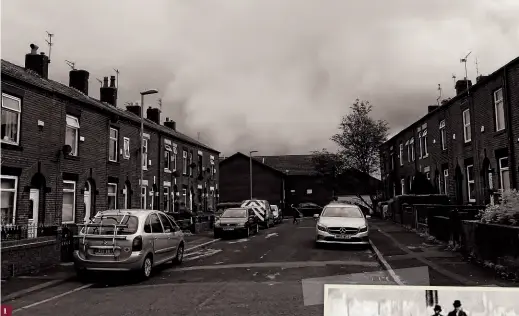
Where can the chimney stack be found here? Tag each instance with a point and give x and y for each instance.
(38, 63)
(153, 114)
(170, 124)
(134, 108)
(461, 86)
(107, 93)
(479, 78)
(78, 79)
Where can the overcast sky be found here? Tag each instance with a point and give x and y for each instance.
(269, 75)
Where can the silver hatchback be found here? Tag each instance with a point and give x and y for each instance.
(128, 240)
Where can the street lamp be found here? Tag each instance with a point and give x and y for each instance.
(250, 170)
(143, 93)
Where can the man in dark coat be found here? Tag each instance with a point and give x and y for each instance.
(437, 310)
(457, 309)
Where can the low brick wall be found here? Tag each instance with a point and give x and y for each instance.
(29, 255)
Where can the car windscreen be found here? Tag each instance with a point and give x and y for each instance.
(342, 211)
(131, 221)
(234, 213)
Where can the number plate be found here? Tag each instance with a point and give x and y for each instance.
(228, 228)
(343, 236)
(103, 252)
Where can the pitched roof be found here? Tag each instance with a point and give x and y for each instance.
(32, 78)
(242, 155)
(293, 164)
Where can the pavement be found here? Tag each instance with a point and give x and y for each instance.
(277, 272)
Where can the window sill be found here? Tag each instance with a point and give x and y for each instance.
(127, 157)
(167, 170)
(74, 158)
(111, 162)
(11, 146)
(499, 133)
(467, 143)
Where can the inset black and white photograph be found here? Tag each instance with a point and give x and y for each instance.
(371, 300)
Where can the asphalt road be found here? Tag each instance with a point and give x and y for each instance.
(276, 272)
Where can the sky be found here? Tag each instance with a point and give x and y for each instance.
(269, 75)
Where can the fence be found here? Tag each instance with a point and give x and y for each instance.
(20, 232)
(192, 223)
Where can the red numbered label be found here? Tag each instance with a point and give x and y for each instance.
(7, 310)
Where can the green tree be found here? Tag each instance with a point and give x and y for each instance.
(359, 138)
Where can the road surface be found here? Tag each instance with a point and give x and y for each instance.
(262, 275)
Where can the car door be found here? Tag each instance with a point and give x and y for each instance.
(177, 235)
(169, 232)
(160, 239)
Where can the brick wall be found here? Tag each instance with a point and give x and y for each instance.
(28, 256)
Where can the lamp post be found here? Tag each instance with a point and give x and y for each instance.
(250, 170)
(143, 93)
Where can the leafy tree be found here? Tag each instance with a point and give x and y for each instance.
(359, 139)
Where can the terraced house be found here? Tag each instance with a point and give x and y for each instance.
(467, 147)
(66, 155)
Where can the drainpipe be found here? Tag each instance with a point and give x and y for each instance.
(511, 139)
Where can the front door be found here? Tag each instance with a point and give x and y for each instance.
(88, 204)
(34, 199)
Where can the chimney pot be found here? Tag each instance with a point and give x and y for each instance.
(461, 86)
(38, 63)
(78, 79)
(170, 124)
(108, 94)
(134, 108)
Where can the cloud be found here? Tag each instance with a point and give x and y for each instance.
(275, 76)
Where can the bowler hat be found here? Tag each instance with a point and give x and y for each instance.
(457, 303)
(437, 308)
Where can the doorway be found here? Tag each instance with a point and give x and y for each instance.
(87, 196)
(34, 208)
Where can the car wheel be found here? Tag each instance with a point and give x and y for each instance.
(147, 266)
(180, 255)
(248, 232)
(81, 274)
(216, 235)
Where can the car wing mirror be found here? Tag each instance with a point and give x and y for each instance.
(368, 216)
(316, 216)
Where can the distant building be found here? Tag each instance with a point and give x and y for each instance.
(466, 147)
(285, 180)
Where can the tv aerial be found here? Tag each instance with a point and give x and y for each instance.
(464, 60)
(49, 42)
(71, 64)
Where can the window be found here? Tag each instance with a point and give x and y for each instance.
(145, 153)
(402, 186)
(408, 149)
(168, 227)
(420, 145)
(471, 186)
(184, 162)
(174, 158)
(401, 154)
(190, 162)
(113, 144)
(184, 194)
(156, 226)
(309, 191)
(504, 174)
(8, 191)
(499, 109)
(424, 143)
(72, 134)
(467, 133)
(167, 160)
(446, 181)
(166, 199)
(112, 196)
(11, 109)
(126, 148)
(69, 202)
(392, 157)
(143, 197)
(200, 164)
(411, 144)
(443, 135)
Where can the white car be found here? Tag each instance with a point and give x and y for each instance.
(342, 224)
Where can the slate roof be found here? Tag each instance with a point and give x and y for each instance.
(300, 165)
(32, 78)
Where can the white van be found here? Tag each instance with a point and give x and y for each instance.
(262, 210)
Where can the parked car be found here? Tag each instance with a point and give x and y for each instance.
(276, 213)
(128, 240)
(236, 221)
(221, 207)
(342, 224)
(309, 209)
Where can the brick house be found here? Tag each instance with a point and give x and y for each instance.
(466, 146)
(282, 180)
(66, 155)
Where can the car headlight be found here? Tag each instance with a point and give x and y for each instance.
(322, 228)
(363, 229)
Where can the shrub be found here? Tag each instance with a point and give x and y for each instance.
(506, 212)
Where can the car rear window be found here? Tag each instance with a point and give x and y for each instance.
(119, 219)
(342, 211)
